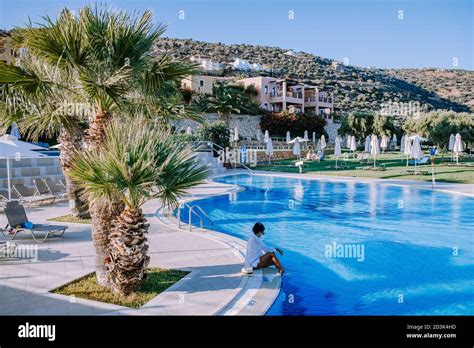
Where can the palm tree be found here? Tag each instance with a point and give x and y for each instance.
(136, 162)
(34, 96)
(107, 59)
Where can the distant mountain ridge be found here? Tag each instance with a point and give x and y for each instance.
(355, 88)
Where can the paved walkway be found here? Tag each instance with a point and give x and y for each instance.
(213, 286)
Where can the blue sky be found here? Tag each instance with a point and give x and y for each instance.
(367, 32)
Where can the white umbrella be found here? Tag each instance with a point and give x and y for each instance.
(452, 140)
(402, 144)
(407, 146)
(236, 134)
(353, 146)
(300, 139)
(374, 147)
(348, 141)
(297, 148)
(416, 152)
(458, 148)
(15, 131)
(318, 146)
(337, 149)
(306, 138)
(10, 145)
(323, 142)
(288, 137)
(394, 141)
(314, 137)
(384, 142)
(258, 136)
(269, 149)
(189, 130)
(367, 144)
(266, 137)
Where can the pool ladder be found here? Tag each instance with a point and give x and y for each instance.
(191, 212)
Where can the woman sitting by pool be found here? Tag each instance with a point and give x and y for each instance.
(258, 254)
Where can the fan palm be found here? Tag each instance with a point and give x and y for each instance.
(136, 162)
(106, 57)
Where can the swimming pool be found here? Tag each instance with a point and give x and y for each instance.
(357, 249)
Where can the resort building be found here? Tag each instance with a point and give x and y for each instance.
(281, 95)
(201, 83)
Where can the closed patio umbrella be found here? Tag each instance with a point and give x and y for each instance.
(236, 134)
(269, 149)
(458, 147)
(402, 144)
(314, 137)
(374, 147)
(415, 151)
(384, 143)
(367, 144)
(288, 137)
(305, 137)
(353, 146)
(394, 141)
(348, 141)
(189, 131)
(407, 147)
(318, 146)
(337, 149)
(297, 148)
(258, 136)
(266, 137)
(323, 142)
(15, 131)
(452, 140)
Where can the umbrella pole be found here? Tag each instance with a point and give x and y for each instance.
(374, 161)
(9, 180)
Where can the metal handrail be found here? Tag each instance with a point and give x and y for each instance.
(202, 211)
(191, 211)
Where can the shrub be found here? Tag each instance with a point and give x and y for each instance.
(217, 132)
(278, 124)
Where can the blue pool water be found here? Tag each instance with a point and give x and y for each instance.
(412, 250)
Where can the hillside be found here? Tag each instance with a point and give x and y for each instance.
(455, 85)
(355, 88)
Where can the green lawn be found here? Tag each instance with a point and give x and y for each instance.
(157, 281)
(71, 218)
(393, 163)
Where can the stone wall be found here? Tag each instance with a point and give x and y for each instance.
(248, 125)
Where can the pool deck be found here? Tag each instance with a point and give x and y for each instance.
(214, 285)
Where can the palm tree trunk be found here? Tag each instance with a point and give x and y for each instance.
(71, 141)
(105, 212)
(128, 251)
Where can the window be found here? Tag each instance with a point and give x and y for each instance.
(265, 105)
(273, 91)
(266, 89)
(201, 83)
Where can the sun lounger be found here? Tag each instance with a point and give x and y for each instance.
(62, 182)
(55, 189)
(421, 161)
(30, 195)
(16, 217)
